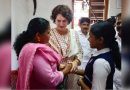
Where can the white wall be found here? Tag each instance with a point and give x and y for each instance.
(114, 7)
(128, 7)
(45, 7)
(127, 11)
(5, 12)
(22, 12)
(19, 16)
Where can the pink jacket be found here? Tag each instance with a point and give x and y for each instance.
(26, 65)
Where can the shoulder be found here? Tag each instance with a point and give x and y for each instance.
(33, 47)
(27, 48)
(101, 63)
(52, 33)
(28, 45)
(52, 29)
(74, 33)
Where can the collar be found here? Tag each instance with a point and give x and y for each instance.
(118, 38)
(101, 51)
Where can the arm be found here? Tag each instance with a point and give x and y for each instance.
(80, 53)
(101, 70)
(82, 84)
(79, 56)
(45, 72)
(79, 72)
(67, 68)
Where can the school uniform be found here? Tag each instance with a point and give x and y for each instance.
(100, 70)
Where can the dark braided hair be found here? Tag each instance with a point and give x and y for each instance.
(36, 25)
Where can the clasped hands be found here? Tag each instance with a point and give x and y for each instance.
(71, 67)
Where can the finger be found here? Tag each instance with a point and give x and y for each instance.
(73, 69)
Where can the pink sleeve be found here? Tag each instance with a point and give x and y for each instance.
(46, 74)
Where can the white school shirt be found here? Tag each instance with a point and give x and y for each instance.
(101, 70)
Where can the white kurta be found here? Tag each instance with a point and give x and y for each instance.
(87, 50)
(68, 46)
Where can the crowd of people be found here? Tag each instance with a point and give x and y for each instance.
(63, 58)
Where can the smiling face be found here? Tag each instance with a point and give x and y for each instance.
(61, 22)
(84, 27)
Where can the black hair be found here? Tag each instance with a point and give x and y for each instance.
(5, 34)
(106, 30)
(118, 15)
(36, 25)
(126, 49)
(112, 20)
(84, 19)
(64, 10)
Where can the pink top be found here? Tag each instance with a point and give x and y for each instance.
(38, 67)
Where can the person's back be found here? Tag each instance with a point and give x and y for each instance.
(40, 67)
(104, 59)
(37, 61)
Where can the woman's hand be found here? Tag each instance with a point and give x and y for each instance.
(74, 66)
(62, 66)
(79, 72)
(67, 68)
(79, 81)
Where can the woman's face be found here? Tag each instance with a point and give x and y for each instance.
(61, 22)
(97, 43)
(44, 37)
(92, 40)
